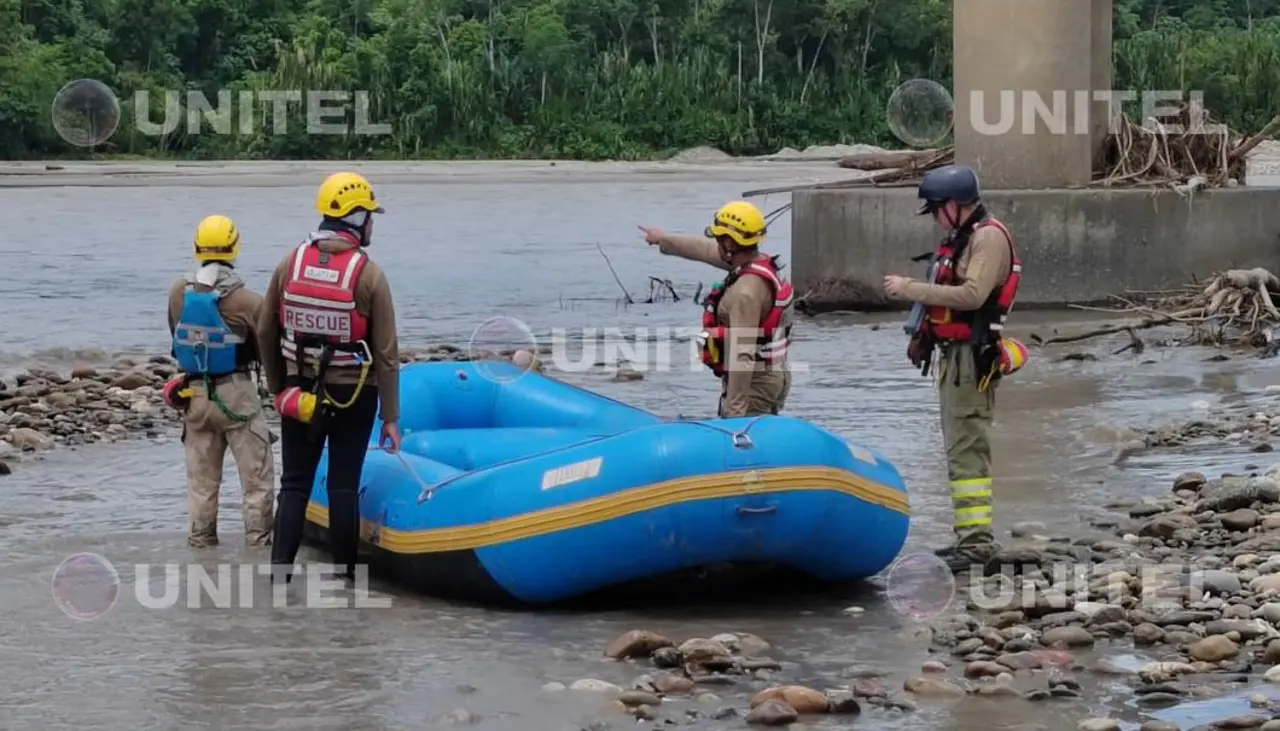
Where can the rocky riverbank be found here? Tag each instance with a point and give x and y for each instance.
(1183, 603)
(41, 408)
(1241, 425)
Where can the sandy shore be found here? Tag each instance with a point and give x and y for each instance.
(788, 166)
(281, 174)
(813, 165)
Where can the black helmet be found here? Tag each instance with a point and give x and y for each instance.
(951, 183)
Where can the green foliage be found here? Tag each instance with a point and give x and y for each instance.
(591, 79)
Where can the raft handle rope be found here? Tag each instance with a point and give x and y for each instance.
(427, 490)
(741, 439)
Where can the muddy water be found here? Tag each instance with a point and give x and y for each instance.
(457, 255)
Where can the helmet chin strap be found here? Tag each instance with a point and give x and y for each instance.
(952, 221)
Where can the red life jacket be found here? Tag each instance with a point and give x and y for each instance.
(775, 328)
(988, 320)
(318, 303)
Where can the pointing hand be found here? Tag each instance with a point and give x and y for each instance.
(651, 235)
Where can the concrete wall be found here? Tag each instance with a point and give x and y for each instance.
(1077, 246)
(1010, 52)
(1100, 72)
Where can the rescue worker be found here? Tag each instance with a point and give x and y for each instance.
(976, 276)
(213, 319)
(746, 318)
(328, 336)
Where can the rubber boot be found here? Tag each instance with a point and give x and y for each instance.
(344, 531)
(291, 517)
(977, 551)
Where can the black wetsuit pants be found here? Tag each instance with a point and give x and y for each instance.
(347, 432)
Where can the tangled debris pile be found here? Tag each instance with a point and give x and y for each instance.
(1236, 308)
(1186, 151)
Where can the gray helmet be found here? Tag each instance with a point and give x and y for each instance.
(951, 183)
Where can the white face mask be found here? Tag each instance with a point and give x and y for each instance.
(208, 274)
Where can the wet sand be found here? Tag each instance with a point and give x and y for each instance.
(427, 173)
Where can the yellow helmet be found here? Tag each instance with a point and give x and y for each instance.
(217, 239)
(740, 221)
(342, 193)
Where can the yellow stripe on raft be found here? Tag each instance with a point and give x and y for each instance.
(628, 502)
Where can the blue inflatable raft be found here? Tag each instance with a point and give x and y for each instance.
(527, 489)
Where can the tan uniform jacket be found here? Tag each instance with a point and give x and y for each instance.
(984, 265)
(742, 308)
(373, 300)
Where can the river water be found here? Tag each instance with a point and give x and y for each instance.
(94, 266)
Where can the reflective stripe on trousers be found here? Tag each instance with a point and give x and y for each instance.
(971, 504)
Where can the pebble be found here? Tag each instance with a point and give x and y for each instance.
(1067, 637)
(637, 643)
(772, 713)
(595, 686)
(803, 700)
(933, 688)
(1240, 722)
(639, 698)
(1215, 648)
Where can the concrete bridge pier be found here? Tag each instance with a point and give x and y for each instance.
(1076, 245)
(1011, 55)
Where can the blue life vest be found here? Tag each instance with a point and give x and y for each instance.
(202, 341)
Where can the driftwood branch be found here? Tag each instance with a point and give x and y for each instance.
(1254, 140)
(626, 295)
(1236, 308)
(662, 290)
(1128, 327)
(887, 160)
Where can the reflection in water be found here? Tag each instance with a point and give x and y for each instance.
(406, 666)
